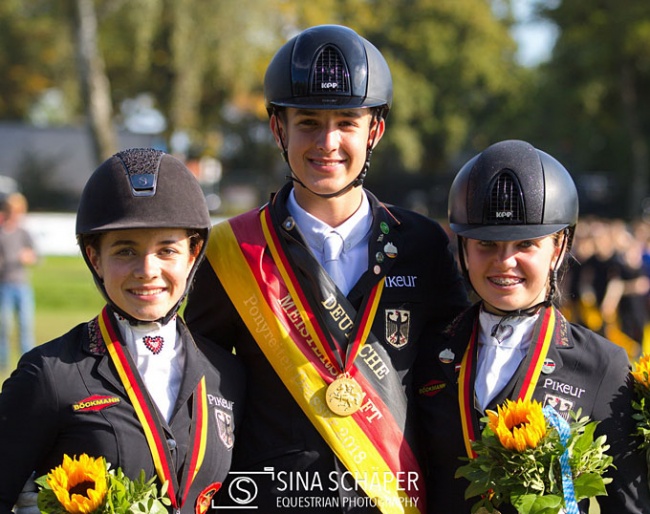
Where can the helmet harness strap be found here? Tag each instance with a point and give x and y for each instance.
(99, 281)
(358, 181)
(553, 274)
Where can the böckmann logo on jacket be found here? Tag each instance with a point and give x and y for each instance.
(94, 403)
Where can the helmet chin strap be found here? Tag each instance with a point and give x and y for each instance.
(358, 181)
(355, 183)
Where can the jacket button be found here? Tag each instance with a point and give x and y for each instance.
(171, 444)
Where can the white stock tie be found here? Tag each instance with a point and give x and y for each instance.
(332, 247)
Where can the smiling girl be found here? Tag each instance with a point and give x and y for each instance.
(514, 209)
(131, 385)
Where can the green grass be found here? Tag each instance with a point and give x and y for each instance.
(65, 296)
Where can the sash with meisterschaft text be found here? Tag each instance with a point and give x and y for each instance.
(312, 336)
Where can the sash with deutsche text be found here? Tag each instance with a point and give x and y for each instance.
(311, 334)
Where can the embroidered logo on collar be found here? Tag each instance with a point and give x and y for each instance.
(95, 342)
(95, 403)
(154, 344)
(400, 281)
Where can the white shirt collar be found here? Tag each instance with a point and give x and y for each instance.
(353, 230)
(161, 372)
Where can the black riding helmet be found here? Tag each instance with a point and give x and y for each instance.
(512, 191)
(329, 67)
(141, 188)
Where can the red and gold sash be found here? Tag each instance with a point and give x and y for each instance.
(150, 421)
(533, 362)
(270, 300)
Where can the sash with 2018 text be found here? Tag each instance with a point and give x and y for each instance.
(311, 335)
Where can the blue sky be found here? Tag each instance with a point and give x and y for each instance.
(535, 37)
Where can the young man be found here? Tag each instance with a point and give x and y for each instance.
(328, 342)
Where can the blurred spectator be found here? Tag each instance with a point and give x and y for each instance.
(624, 305)
(608, 286)
(16, 295)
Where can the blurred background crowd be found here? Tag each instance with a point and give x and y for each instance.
(607, 285)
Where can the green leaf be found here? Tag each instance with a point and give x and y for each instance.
(534, 504)
(588, 485)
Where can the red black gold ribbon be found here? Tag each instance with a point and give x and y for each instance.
(150, 422)
(533, 363)
(268, 297)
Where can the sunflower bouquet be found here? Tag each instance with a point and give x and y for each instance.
(88, 485)
(641, 376)
(533, 459)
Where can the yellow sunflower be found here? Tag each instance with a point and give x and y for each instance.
(518, 425)
(642, 371)
(79, 484)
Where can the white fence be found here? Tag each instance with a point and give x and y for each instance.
(54, 233)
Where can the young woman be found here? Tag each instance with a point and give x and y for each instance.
(131, 385)
(514, 209)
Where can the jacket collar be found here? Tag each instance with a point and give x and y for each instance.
(195, 361)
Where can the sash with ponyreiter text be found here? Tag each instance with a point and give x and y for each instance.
(324, 352)
(525, 386)
(150, 421)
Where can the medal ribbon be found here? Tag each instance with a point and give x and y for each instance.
(533, 364)
(361, 328)
(365, 443)
(150, 422)
(466, 393)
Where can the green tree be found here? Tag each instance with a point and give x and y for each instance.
(457, 84)
(34, 55)
(593, 102)
(93, 80)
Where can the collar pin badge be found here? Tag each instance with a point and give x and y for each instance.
(446, 356)
(391, 250)
(548, 367)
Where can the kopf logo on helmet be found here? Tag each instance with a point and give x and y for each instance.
(328, 65)
(512, 191)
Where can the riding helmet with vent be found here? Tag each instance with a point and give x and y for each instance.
(141, 188)
(328, 67)
(512, 191)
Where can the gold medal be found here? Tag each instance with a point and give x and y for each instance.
(344, 395)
